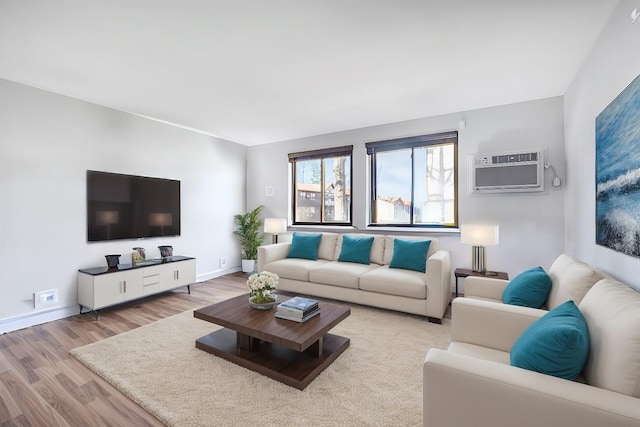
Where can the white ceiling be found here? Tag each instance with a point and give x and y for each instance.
(259, 71)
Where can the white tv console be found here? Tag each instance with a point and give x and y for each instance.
(101, 287)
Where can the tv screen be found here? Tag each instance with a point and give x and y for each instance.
(131, 207)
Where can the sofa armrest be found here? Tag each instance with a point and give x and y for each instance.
(490, 324)
(464, 391)
(270, 253)
(438, 283)
(484, 287)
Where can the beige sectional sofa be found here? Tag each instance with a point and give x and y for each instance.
(473, 382)
(375, 284)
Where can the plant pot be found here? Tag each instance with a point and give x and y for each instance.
(248, 265)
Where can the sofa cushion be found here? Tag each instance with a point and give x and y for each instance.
(570, 280)
(327, 248)
(355, 249)
(389, 246)
(343, 274)
(556, 344)
(304, 246)
(612, 312)
(376, 255)
(405, 283)
(410, 254)
(293, 268)
(528, 289)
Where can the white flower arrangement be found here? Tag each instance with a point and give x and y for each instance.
(261, 285)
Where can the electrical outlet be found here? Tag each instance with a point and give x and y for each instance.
(223, 262)
(44, 299)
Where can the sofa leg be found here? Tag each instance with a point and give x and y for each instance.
(434, 320)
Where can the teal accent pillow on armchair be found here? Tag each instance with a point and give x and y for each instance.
(410, 254)
(556, 344)
(529, 289)
(355, 249)
(304, 246)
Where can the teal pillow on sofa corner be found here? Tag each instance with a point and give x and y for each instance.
(304, 246)
(556, 344)
(355, 249)
(529, 288)
(410, 254)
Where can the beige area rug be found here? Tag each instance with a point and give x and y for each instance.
(377, 381)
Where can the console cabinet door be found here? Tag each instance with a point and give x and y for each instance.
(132, 285)
(108, 289)
(177, 274)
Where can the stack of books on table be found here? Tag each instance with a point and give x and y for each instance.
(298, 309)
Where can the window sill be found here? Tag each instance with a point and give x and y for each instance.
(395, 230)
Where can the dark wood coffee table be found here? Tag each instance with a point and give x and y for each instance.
(287, 351)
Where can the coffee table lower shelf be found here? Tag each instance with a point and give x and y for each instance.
(290, 367)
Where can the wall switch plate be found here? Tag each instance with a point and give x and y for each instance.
(46, 298)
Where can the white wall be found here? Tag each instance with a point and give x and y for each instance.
(611, 65)
(47, 143)
(531, 224)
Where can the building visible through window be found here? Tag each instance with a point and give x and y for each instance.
(322, 186)
(414, 181)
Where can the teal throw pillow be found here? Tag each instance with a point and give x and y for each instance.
(529, 288)
(410, 254)
(304, 246)
(355, 249)
(556, 344)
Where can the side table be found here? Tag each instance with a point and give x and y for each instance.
(466, 272)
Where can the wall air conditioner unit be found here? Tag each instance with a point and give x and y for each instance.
(509, 171)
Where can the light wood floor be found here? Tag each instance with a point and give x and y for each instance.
(41, 384)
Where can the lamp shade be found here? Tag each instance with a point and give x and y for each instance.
(275, 225)
(479, 234)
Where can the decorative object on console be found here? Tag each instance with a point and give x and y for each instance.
(479, 235)
(247, 229)
(275, 226)
(138, 255)
(261, 285)
(112, 260)
(166, 251)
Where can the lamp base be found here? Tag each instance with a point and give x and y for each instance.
(478, 259)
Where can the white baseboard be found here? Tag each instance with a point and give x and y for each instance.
(216, 273)
(22, 321)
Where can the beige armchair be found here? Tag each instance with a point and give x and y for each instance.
(473, 383)
(570, 280)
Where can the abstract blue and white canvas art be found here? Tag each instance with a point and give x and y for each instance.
(618, 172)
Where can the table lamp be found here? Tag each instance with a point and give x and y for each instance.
(479, 235)
(274, 226)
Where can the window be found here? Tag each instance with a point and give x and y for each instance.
(414, 181)
(322, 186)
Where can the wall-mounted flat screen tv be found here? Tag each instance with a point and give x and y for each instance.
(131, 207)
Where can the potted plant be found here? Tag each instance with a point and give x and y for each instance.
(248, 227)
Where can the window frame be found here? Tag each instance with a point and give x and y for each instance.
(321, 154)
(412, 142)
